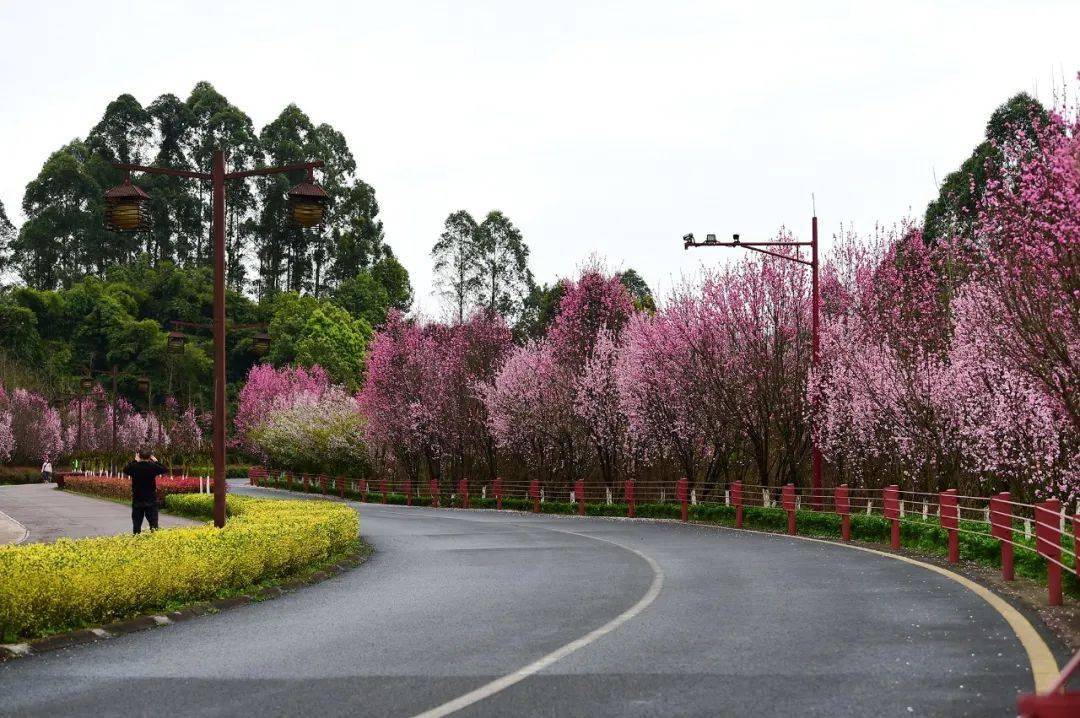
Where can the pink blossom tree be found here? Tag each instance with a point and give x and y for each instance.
(268, 388)
(7, 437)
(35, 426)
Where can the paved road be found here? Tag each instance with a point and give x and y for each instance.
(741, 624)
(49, 514)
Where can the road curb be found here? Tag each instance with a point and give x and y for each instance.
(82, 636)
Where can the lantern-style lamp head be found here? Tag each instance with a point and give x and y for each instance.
(307, 203)
(143, 383)
(86, 383)
(176, 342)
(125, 208)
(261, 343)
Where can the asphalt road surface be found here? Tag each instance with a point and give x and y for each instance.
(606, 617)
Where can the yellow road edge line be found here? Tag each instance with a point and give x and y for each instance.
(1044, 667)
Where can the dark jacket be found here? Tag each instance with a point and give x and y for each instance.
(144, 481)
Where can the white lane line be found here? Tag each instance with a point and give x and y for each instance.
(501, 684)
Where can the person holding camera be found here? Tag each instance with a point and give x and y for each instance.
(144, 471)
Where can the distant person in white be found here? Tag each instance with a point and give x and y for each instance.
(46, 471)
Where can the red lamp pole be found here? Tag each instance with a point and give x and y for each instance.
(815, 321)
(217, 177)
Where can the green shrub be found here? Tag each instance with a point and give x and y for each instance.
(71, 583)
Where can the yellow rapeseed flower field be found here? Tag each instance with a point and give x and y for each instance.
(72, 583)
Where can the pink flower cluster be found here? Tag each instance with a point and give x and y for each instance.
(422, 395)
(956, 363)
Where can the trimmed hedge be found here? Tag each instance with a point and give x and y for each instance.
(72, 583)
(119, 487)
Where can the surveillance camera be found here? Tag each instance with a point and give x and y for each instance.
(688, 238)
(710, 239)
(735, 238)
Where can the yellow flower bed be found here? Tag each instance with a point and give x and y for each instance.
(71, 583)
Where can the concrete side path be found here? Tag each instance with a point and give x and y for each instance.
(49, 514)
(664, 619)
(11, 531)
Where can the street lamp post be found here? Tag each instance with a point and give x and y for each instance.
(126, 212)
(815, 321)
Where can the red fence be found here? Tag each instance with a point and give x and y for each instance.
(1043, 527)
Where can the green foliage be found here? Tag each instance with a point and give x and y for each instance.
(538, 311)
(455, 257)
(373, 292)
(7, 234)
(308, 331)
(64, 239)
(955, 208)
(639, 291)
(337, 342)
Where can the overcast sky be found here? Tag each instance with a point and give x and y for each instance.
(607, 128)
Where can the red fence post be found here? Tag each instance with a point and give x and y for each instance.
(433, 487)
(1048, 545)
(950, 521)
(408, 492)
(322, 483)
(736, 500)
(382, 489)
(682, 493)
(498, 488)
(579, 494)
(628, 492)
(1001, 529)
(463, 492)
(288, 480)
(787, 499)
(891, 502)
(361, 487)
(305, 483)
(340, 487)
(534, 494)
(842, 499)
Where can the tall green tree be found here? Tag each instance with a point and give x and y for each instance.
(7, 234)
(63, 207)
(457, 275)
(284, 251)
(955, 208)
(502, 258)
(356, 233)
(175, 202)
(218, 124)
(639, 290)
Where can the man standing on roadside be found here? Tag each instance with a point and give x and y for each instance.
(144, 471)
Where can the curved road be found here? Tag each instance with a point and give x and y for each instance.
(706, 622)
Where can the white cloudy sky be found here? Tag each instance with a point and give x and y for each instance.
(611, 128)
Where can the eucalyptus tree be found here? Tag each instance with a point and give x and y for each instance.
(63, 215)
(355, 234)
(218, 124)
(175, 210)
(502, 260)
(7, 234)
(456, 254)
